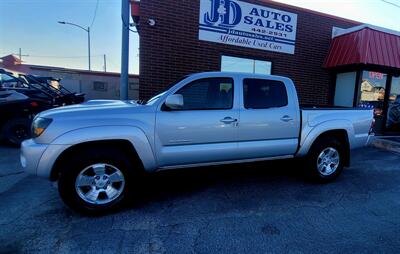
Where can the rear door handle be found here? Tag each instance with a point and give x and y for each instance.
(286, 118)
(228, 120)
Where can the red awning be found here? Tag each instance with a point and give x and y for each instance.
(365, 46)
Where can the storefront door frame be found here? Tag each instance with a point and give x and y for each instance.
(357, 86)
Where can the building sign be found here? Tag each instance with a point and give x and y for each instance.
(376, 75)
(248, 25)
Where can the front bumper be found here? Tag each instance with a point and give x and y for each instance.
(38, 159)
(31, 153)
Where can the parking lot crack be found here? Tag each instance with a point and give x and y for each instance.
(199, 235)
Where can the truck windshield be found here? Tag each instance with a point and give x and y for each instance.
(8, 81)
(154, 99)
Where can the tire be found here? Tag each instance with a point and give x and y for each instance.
(17, 130)
(325, 160)
(83, 175)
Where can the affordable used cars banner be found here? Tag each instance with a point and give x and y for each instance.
(247, 25)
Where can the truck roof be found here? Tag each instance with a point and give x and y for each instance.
(238, 74)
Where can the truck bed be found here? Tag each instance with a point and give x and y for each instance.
(356, 122)
(327, 107)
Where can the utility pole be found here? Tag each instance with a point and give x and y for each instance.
(88, 34)
(125, 10)
(105, 62)
(20, 55)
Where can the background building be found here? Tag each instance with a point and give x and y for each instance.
(94, 84)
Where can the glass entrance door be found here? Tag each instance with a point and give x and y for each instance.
(371, 95)
(393, 114)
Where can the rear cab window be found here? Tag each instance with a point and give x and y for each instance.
(264, 93)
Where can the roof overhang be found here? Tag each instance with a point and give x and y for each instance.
(365, 45)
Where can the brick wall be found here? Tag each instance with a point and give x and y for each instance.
(171, 48)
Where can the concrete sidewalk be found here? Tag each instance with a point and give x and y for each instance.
(387, 143)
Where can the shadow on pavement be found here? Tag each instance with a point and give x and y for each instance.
(177, 183)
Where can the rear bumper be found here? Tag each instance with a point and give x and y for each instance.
(361, 140)
(370, 139)
(39, 159)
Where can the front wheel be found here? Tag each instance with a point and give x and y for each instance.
(324, 163)
(96, 180)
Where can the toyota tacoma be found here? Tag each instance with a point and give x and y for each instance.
(98, 150)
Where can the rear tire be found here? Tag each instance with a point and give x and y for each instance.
(17, 130)
(325, 160)
(96, 180)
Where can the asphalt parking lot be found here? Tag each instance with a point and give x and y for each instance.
(253, 208)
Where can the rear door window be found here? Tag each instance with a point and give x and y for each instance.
(263, 93)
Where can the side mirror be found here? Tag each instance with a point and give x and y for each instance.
(174, 101)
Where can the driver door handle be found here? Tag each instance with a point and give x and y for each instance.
(228, 120)
(286, 118)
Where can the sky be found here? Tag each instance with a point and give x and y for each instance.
(32, 26)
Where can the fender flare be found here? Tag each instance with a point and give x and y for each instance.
(316, 131)
(134, 135)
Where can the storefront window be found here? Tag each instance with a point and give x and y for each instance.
(237, 64)
(393, 116)
(344, 91)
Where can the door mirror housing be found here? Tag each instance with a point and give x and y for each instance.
(174, 101)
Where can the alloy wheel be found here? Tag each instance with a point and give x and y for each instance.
(328, 161)
(100, 183)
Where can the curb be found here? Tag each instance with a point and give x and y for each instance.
(387, 145)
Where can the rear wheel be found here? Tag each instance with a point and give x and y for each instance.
(95, 180)
(17, 130)
(324, 163)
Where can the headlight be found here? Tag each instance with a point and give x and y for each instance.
(39, 125)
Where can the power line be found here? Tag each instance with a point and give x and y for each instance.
(50, 56)
(95, 14)
(398, 6)
(42, 56)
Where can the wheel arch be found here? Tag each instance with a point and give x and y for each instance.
(343, 134)
(125, 146)
(130, 138)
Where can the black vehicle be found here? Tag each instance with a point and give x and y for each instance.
(18, 105)
(53, 87)
(46, 89)
(10, 82)
(17, 112)
(22, 97)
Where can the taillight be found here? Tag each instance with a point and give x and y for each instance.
(34, 104)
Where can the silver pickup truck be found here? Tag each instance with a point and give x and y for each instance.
(99, 149)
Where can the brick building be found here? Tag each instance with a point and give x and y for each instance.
(171, 48)
(327, 57)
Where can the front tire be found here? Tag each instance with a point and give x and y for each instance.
(324, 162)
(95, 180)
